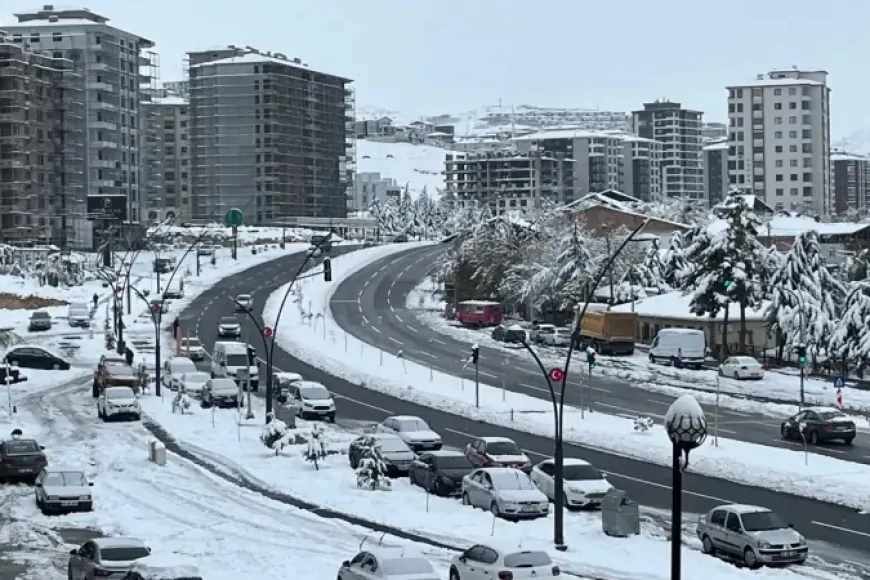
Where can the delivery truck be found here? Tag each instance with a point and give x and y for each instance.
(605, 331)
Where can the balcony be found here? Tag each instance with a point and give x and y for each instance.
(103, 105)
(101, 86)
(103, 183)
(104, 144)
(108, 125)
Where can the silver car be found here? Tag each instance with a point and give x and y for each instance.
(381, 563)
(507, 492)
(63, 490)
(105, 558)
(753, 534)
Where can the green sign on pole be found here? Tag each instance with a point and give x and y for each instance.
(235, 218)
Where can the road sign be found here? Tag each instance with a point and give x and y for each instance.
(556, 374)
(267, 331)
(839, 382)
(235, 218)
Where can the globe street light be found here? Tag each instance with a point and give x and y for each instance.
(687, 429)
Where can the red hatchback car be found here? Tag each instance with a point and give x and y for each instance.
(497, 452)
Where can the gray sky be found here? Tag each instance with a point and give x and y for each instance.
(437, 56)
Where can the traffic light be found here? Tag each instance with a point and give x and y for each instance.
(252, 356)
(327, 269)
(475, 354)
(801, 351)
(590, 358)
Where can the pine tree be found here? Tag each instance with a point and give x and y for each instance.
(674, 263)
(652, 270)
(372, 470)
(575, 268)
(632, 287)
(851, 339)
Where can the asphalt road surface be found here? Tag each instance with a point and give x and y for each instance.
(646, 483)
(371, 305)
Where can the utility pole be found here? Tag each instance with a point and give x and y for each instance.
(475, 359)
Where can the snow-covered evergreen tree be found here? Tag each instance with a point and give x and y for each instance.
(371, 472)
(275, 434)
(574, 268)
(315, 450)
(851, 338)
(653, 270)
(674, 263)
(632, 287)
(181, 402)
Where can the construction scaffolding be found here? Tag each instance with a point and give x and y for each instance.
(41, 157)
(267, 126)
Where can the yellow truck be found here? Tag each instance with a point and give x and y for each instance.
(605, 331)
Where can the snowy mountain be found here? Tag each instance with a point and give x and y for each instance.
(416, 166)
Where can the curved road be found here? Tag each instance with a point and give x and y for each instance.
(833, 526)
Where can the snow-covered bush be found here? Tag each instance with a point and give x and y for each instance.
(372, 470)
(316, 449)
(274, 434)
(109, 334)
(642, 424)
(181, 402)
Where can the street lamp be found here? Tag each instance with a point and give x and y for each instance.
(686, 426)
(156, 309)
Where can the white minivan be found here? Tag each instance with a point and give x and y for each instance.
(173, 368)
(228, 358)
(679, 347)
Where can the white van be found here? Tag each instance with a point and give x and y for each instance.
(228, 358)
(173, 368)
(679, 347)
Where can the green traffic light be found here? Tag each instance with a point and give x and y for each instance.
(802, 360)
(727, 283)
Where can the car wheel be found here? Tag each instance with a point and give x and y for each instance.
(848, 440)
(814, 437)
(454, 574)
(465, 499)
(783, 430)
(707, 546)
(736, 376)
(494, 509)
(652, 359)
(55, 367)
(749, 558)
(69, 575)
(721, 373)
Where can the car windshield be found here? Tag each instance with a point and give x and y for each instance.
(502, 448)
(453, 462)
(828, 415)
(392, 445)
(123, 554)
(21, 447)
(224, 385)
(512, 479)
(243, 297)
(228, 320)
(413, 425)
(745, 360)
(65, 478)
(314, 392)
(119, 370)
(40, 315)
(406, 566)
(761, 521)
(581, 473)
(527, 560)
(195, 377)
(120, 393)
(237, 360)
(190, 342)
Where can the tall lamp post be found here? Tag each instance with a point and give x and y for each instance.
(559, 404)
(686, 426)
(156, 309)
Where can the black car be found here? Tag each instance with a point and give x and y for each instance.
(39, 320)
(395, 452)
(34, 357)
(220, 393)
(819, 425)
(441, 472)
(513, 334)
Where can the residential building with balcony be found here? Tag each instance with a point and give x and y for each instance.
(716, 182)
(851, 184)
(370, 187)
(166, 156)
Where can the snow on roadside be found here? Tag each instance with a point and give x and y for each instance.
(784, 470)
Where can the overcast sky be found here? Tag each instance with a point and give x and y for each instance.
(437, 56)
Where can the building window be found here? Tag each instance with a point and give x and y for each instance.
(792, 134)
(793, 163)
(792, 91)
(793, 191)
(808, 191)
(777, 120)
(808, 162)
(808, 177)
(777, 106)
(793, 177)
(792, 148)
(792, 120)
(779, 192)
(779, 177)
(778, 149)
(57, 37)
(807, 147)
(777, 92)
(779, 162)
(777, 135)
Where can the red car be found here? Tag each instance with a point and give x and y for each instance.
(497, 452)
(477, 313)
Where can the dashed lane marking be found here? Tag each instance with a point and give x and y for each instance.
(396, 340)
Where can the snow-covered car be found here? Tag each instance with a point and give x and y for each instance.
(507, 492)
(192, 348)
(583, 484)
(412, 430)
(379, 562)
(497, 452)
(488, 562)
(39, 321)
(312, 400)
(559, 337)
(63, 490)
(118, 403)
(741, 367)
(193, 383)
(163, 567)
(173, 368)
(539, 331)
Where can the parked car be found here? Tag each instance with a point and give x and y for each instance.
(387, 564)
(78, 315)
(395, 452)
(173, 368)
(105, 558)
(113, 374)
(221, 393)
(162, 265)
(514, 334)
(243, 303)
(584, 486)
(506, 492)
(159, 305)
(175, 291)
(679, 347)
(741, 367)
(819, 425)
(440, 472)
(539, 331)
(21, 458)
(229, 327)
(497, 452)
(205, 250)
(193, 383)
(163, 567)
(281, 383)
(412, 430)
(477, 313)
(63, 490)
(192, 348)
(39, 321)
(312, 400)
(26, 356)
(559, 337)
(482, 562)
(118, 403)
(753, 534)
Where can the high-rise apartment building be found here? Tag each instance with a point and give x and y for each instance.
(716, 171)
(166, 157)
(41, 155)
(679, 132)
(269, 135)
(780, 139)
(851, 184)
(603, 160)
(112, 66)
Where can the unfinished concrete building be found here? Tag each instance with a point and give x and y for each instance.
(41, 146)
(166, 157)
(269, 136)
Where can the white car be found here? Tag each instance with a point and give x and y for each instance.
(506, 492)
(486, 562)
(539, 331)
(378, 562)
(741, 367)
(243, 302)
(414, 431)
(193, 383)
(559, 337)
(63, 490)
(312, 400)
(118, 403)
(192, 348)
(584, 486)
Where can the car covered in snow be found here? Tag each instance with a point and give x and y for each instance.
(105, 558)
(163, 567)
(387, 564)
(118, 403)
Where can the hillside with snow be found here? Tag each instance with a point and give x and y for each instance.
(413, 166)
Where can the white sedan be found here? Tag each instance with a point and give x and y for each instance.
(741, 367)
(193, 383)
(382, 563)
(584, 486)
(118, 402)
(414, 431)
(483, 562)
(559, 337)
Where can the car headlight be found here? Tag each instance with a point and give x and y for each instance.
(802, 541)
(575, 489)
(762, 544)
(84, 498)
(307, 404)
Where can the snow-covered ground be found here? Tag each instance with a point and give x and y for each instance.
(417, 166)
(318, 341)
(180, 509)
(246, 234)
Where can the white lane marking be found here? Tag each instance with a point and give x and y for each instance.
(841, 529)
(437, 340)
(816, 450)
(412, 329)
(490, 375)
(391, 308)
(396, 340)
(365, 320)
(375, 329)
(429, 354)
(536, 373)
(399, 318)
(537, 388)
(366, 283)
